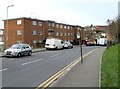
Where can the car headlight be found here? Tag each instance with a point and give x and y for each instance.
(15, 52)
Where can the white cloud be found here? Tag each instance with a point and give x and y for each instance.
(68, 11)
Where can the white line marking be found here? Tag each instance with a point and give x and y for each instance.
(55, 55)
(89, 52)
(11, 59)
(31, 62)
(3, 70)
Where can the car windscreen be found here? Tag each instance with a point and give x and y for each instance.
(16, 46)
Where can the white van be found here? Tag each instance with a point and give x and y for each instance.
(102, 41)
(54, 43)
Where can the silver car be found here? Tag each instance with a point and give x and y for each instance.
(68, 44)
(18, 50)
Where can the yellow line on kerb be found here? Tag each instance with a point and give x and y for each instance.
(49, 81)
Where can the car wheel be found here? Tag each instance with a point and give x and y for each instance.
(69, 47)
(19, 55)
(30, 53)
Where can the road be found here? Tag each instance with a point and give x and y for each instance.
(30, 71)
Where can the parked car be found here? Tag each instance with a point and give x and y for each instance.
(18, 50)
(54, 43)
(68, 44)
(89, 43)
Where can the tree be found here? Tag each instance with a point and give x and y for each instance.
(114, 29)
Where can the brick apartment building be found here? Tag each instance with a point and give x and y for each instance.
(35, 31)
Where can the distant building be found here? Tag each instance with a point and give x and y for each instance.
(35, 31)
(1, 35)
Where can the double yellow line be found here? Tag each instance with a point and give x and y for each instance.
(49, 81)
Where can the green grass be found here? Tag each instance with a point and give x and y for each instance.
(109, 67)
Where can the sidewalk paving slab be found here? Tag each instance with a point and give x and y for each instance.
(83, 74)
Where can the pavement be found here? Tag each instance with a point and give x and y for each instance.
(86, 74)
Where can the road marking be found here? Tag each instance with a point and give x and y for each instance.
(3, 70)
(55, 55)
(62, 72)
(31, 62)
(11, 59)
(90, 52)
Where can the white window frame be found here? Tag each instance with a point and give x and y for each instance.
(40, 33)
(61, 34)
(68, 34)
(19, 32)
(57, 33)
(68, 27)
(19, 22)
(40, 23)
(34, 41)
(34, 32)
(57, 25)
(53, 24)
(61, 26)
(65, 27)
(65, 34)
(49, 34)
(19, 41)
(34, 23)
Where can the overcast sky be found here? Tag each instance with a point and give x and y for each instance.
(74, 12)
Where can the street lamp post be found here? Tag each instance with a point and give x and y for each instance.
(7, 26)
(79, 36)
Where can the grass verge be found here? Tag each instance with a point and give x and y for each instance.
(109, 67)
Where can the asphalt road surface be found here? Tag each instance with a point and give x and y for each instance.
(30, 71)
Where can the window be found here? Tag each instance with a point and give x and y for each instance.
(34, 33)
(49, 33)
(68, 34)
(57, 25)
(68, 27)
(78, 28)
(34, 23)
(51, 24)
(19, 22)
(40, 23)
(34, 41)
(64, 27)
(60, 26)
(72, 34)
(40, 33)
(40, 41)
(26, 46)
(19, 32)
(61, 34)
(65, 34)
(18, 42)
(57, 33)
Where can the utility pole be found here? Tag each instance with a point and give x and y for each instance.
(81, 48)
(7, 26)
(79, 36)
